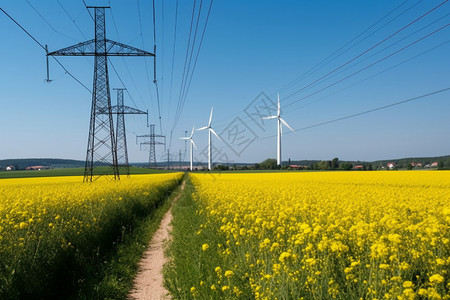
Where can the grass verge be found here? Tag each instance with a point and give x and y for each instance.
(188, 264)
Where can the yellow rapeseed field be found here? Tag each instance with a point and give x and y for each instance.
(325, 235)
(50, 220)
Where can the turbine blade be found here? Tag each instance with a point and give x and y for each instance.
(212, 130)
(192, 133)
(278, 112)
(268, 118)
(286, 124)
(192, 141)
(210, 117)
(203, 128)
(184, 138)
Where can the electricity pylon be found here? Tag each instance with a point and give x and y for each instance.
(121, 138)
(152, 142)
(101, 149)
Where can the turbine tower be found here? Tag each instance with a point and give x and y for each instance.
(209, 139)
(101, 149)
(121, 138)
(280, 130)
(192, 145)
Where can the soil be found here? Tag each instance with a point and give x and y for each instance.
(148, 283)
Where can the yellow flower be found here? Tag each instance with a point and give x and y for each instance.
(205, 247)
(436, 278)
(229, 273)
(407, 284)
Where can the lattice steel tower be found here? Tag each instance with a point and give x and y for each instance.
(152, 142)
(121, 137)
(101, 155)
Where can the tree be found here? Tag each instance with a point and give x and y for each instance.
(335, 163)
(269, 164)
(325, 165)
(221, 168)
(346, 166)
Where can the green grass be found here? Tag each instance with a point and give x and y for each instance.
(189, 265)
(66, 172)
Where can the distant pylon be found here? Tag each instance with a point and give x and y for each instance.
(101, 154)
(152, 142)
(121, 138)
(152, 155)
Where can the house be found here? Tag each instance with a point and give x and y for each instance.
(10, 168)
(390, 165)
(434, 164)
(358, 167)
(417, 165)
(37, 168)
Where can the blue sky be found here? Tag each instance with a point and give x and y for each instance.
(249, 48)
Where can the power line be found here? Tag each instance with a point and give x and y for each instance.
(374, 109)
(126, 65)
(29, 34)
(368, 66)
(187, 77)
(72, 19)
(316, 67)
(372, 76)
(364, 68)
(368, 50)
(192, 49)
(184, 68)
(154, 67)
(391, 45)
(173, 58)
(88, 11)
(45, 20)
(322, 63)
(196, 57)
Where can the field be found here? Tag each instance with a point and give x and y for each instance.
(56, 232)
(324, 235)
(67, 172)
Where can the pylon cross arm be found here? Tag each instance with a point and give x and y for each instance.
(88, 49)
(127, 110)
(118, 49)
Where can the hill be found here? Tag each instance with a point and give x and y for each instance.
(52, 163)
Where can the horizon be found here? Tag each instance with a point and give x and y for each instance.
(237, 163)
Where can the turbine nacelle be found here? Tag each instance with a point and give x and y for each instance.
(190, 138)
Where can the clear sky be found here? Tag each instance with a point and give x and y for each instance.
(327, 59)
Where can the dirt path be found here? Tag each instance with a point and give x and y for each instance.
(148, 283)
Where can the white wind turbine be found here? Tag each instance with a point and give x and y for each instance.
(280, 130)
(209, 139)
(192, 145)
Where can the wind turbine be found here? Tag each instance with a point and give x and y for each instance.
(192, 145)
(209, 139)
(280, 130)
